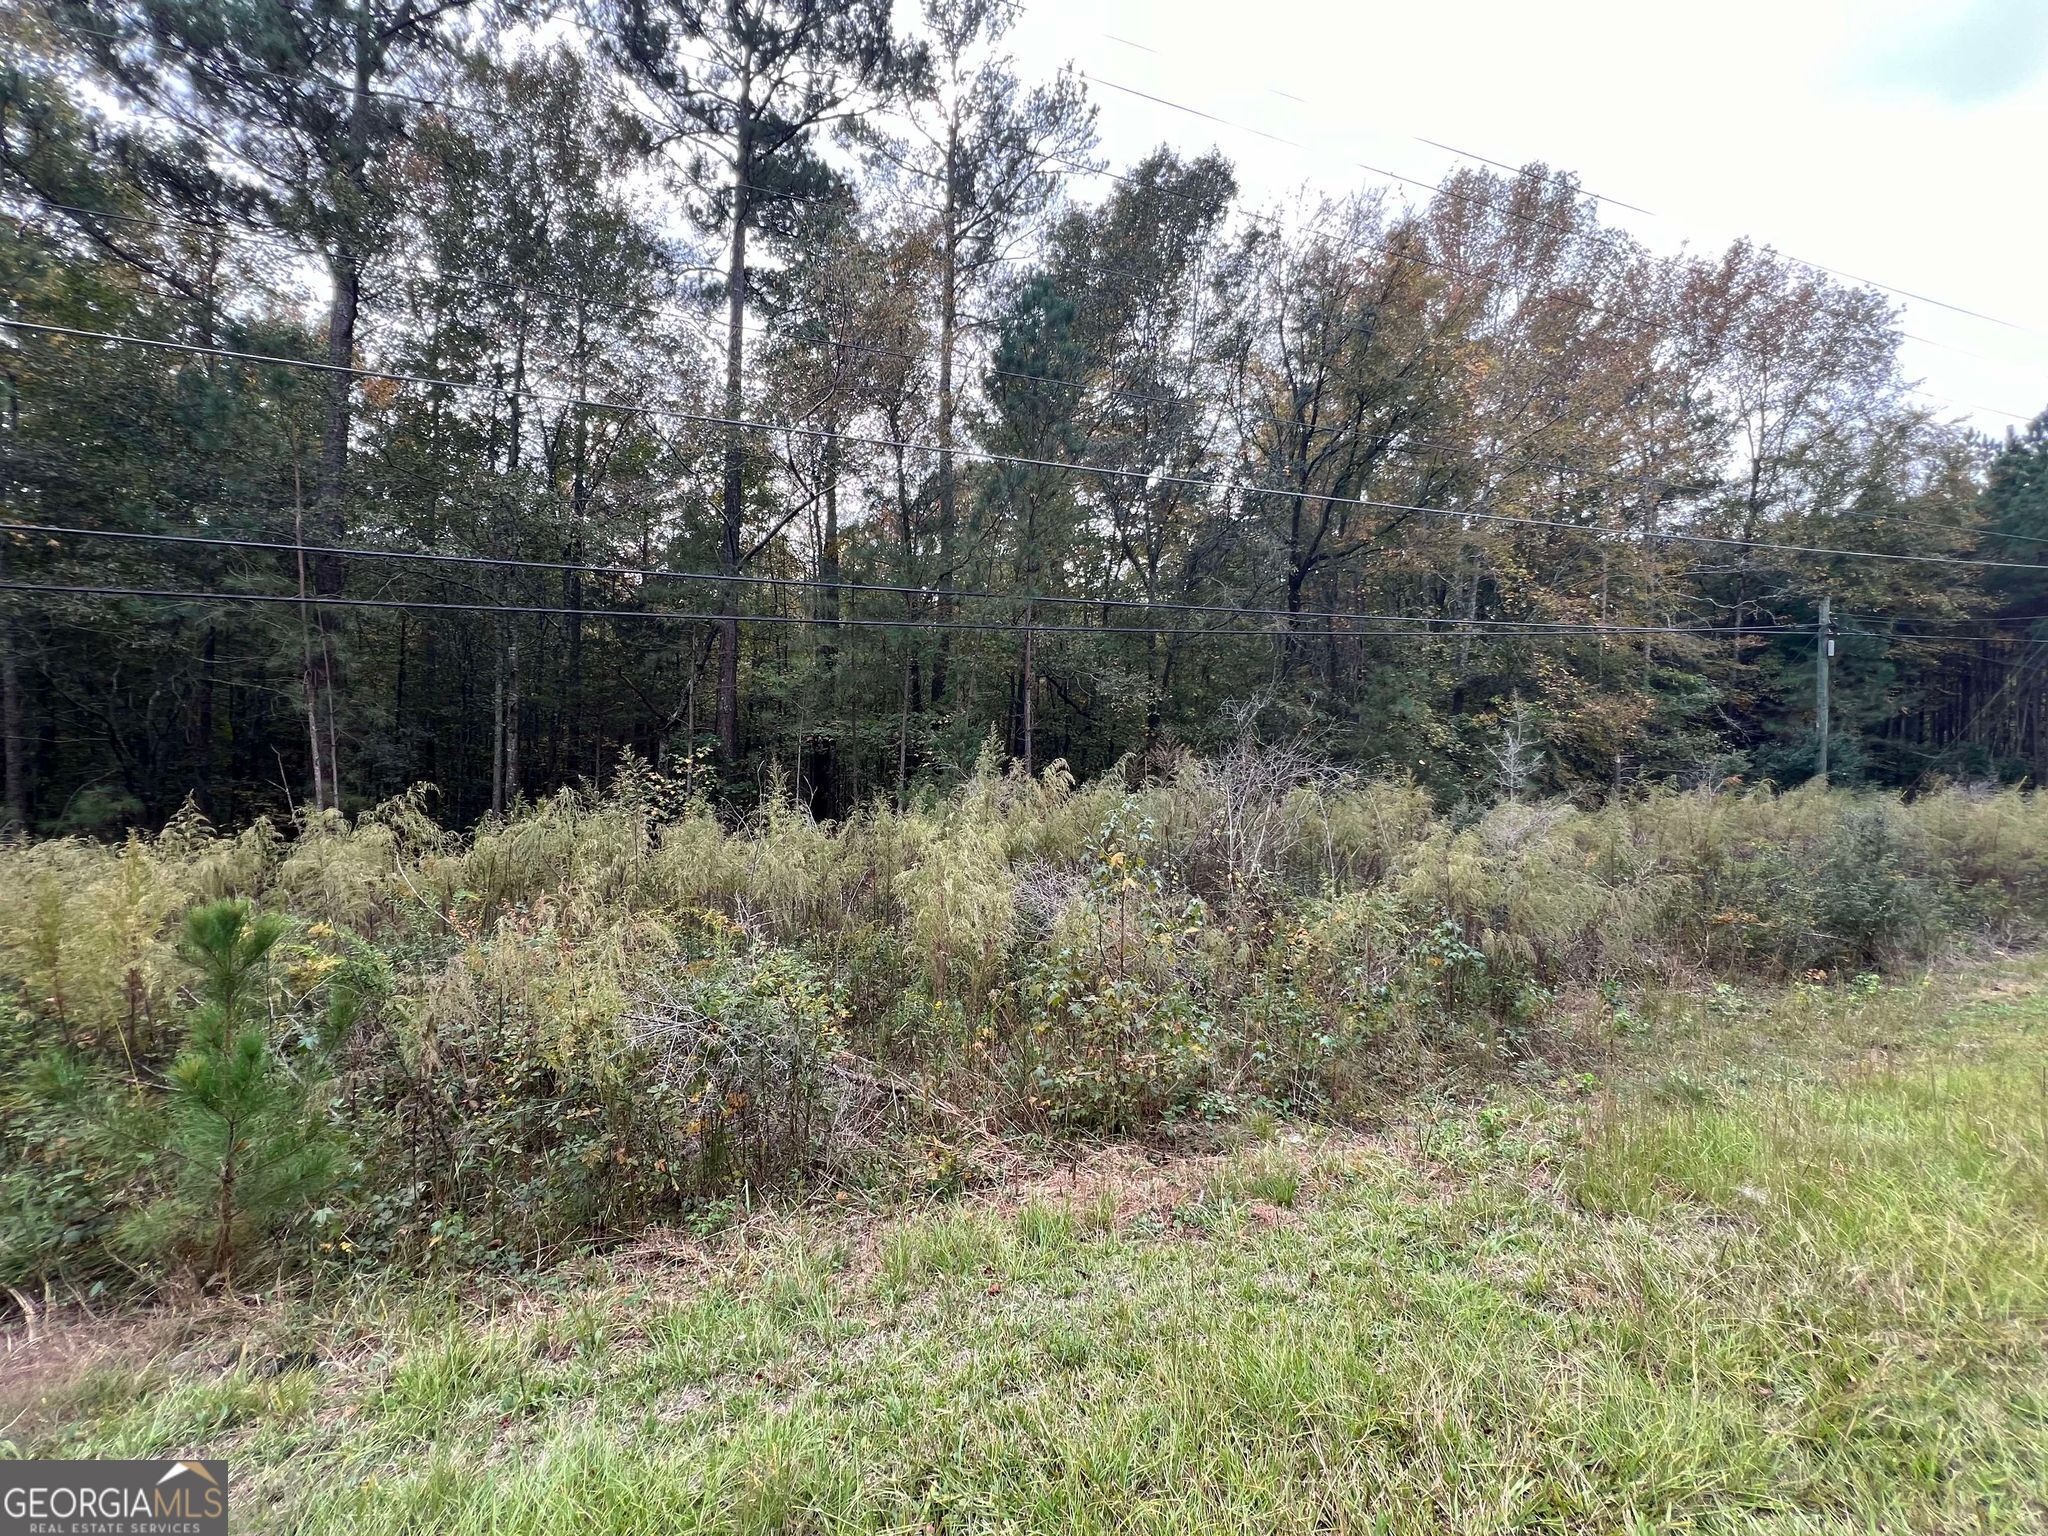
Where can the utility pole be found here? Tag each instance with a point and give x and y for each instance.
(1824, 652)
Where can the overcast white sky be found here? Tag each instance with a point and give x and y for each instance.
(1900, 140)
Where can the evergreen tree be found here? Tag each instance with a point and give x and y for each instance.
(777, 72)
(239, 1131)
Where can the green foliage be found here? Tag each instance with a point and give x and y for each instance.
(240, 1136)
(1806, 1299)
(1146, 340)
(1115, 1036)
(555, 1084)
(606, 1011)
(63, 1182)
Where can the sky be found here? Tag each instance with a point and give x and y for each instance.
(1897, 140)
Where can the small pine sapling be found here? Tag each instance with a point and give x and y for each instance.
(243, 1140)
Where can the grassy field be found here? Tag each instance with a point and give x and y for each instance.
(1783, 1268)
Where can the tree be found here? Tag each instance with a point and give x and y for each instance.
(778, 71)
(984, 156)
(1034, 419)
(2015, 511)
(1141, 266)
(535, 272)
(1239, 437)
(297, 100)
(1340, 358)
(246, 1147)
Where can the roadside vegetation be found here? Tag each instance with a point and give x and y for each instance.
(374, 1045)
(1782, 1267)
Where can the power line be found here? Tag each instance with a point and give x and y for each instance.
(177, 595)
(705, 325)
(1152, 477)
(822, 584)
(708, 329)
(1083, 168)
(783, 194)
(173, 594)
(1502, 460)
(1816, 266)
(1518, 170)
(1990, 619)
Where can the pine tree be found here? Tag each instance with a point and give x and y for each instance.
(240, 1129)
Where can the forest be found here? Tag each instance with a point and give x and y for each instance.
(477, 395)
(743, 794)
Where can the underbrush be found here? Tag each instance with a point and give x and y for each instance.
(605, 1012)
(1782, 1269)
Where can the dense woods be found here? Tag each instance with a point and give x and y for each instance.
(792, 391)
(741, 792)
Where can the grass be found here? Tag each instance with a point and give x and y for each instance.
(1784, 1269)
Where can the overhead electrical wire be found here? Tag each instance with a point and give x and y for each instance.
(1866, 282)
(1504, 460)
(824, 584)
(989, 626)
(708, 328)
(982, 455)
(1084, 168)
(1417, 448)
(1419, 626)
(289, 599)
(1088, 169)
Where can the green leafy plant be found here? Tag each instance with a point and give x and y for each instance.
(1117, 1037)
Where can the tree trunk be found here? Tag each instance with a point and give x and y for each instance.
(734, 510)
(498, 729)
(311, 671)
(1030, 688)
(330, 572)
(10, 723)
(10, 673)
(512, 707)
(831, 610)
(949, 330)
(203, 778)
(224, 1208)
(903, 727)
(572, 581)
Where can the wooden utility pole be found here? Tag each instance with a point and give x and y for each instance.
(1824, 653)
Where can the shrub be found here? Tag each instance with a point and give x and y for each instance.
(63, 1185)
(559, 1085)
(217, 1154)
(607, 1010)
(244, 1146)
(1115, 1037)
(740, 1044)
(961, 902)
(1872, 909)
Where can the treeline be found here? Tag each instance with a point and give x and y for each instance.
(821, 304)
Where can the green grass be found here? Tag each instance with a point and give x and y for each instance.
(1786, 1270)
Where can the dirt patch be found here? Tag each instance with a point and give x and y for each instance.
(49, 1360)
(1120, 1185)
(1124, 1183)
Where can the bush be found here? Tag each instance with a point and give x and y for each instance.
(1114, 1035)
(557, 1085)
(241, 1139)
(605, 1011)
(220, 1154)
